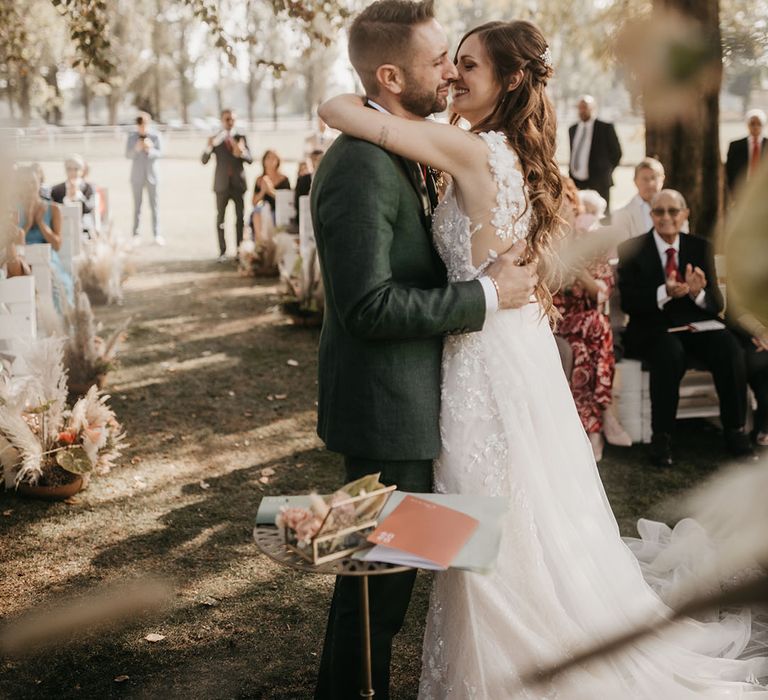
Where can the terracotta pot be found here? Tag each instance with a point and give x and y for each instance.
(51, 493)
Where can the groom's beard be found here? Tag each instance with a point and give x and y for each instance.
(421, 102)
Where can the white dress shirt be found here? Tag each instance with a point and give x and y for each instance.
(661, 293)
(489, 288)
(580, 160)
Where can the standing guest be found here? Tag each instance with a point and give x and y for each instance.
(144, 147)
(75, 190)
(595, 151)
(40, 221)
(744, 154)
(304, 182)
(667, 280)
(231, 150)
(634, 218)
(270, 180)
(586, 328)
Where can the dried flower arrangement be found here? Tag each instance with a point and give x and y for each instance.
(336, 525)
(102, 268)
(257, 258)
(42, 441)
(87, 356)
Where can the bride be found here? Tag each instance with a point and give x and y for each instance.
(509, 426)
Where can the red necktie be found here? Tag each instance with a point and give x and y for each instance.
(755, 157)
(671, 269)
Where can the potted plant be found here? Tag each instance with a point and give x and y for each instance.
(87, 356)
(48, 449)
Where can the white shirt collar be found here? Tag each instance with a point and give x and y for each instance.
(662, 246)
(377, 106)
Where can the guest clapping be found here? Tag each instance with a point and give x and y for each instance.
(41, 223)
(267, 184)
(231, 150)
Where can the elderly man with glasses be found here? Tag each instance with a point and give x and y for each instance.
(669, 289)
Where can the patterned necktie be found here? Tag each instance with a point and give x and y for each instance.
(754, 158)
(670, 269)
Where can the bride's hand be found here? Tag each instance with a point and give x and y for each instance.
(333, 111)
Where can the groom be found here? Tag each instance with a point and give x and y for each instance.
(388, 306)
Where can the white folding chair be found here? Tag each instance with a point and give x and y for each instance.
(71, 236)
(284, 208)
(18, 319)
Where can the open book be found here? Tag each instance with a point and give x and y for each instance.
(421, 533)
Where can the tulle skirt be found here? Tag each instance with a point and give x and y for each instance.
(564, 579)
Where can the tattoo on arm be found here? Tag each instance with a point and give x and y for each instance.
(383, 137)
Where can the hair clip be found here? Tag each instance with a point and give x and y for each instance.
(546, 57)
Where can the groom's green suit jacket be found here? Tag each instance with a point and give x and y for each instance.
(387, 306)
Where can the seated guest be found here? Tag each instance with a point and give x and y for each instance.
(745, 154)
(75, 190)
(753, 337)
(586, 328)
(304, 182)
(40, 221)
(667, 280)
(270, 180)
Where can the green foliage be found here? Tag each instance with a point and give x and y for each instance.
(74, 460)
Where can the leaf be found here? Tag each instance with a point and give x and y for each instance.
(72, 501)
(268, 471)
(74, 460)
(292, 363)
(280, 397)
(121, 679)
(7, 513)
(154, 637)
(264, 479)
(204, 485)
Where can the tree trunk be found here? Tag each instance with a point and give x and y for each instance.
(182, 66)
(25, 103)
(113, 102)
(274, 101)
(53, 115)
(86, 101)
(690, 148)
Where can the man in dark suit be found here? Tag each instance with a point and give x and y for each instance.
(231, 150)
(388, 306)
(745, 154)
(595, 151)
(667, 281)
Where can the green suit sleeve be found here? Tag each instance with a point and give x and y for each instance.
(357, 210)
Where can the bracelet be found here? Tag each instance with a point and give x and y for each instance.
(496, 287)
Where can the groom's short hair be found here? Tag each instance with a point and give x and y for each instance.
(381, 34)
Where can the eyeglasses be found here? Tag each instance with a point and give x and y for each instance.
(659, 211)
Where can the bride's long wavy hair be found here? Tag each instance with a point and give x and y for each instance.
(527, 117)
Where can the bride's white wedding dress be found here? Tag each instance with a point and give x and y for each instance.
(564, 577)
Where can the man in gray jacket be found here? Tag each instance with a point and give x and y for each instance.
(144, 147)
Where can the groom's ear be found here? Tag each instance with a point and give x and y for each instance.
(390, 77)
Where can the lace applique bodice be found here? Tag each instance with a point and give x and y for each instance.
(452, 228)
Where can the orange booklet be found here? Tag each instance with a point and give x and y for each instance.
(421, 534)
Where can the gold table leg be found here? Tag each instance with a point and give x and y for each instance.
(366, 690)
